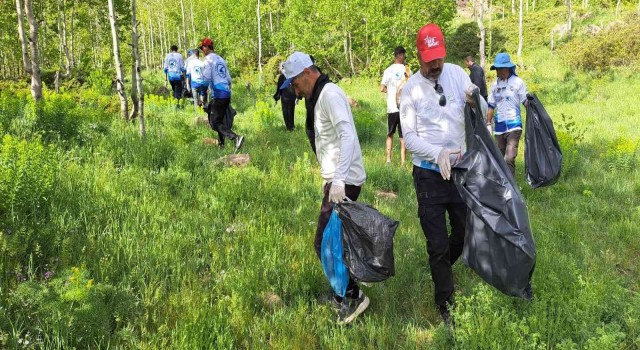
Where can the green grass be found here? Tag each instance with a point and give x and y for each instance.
(155, 244)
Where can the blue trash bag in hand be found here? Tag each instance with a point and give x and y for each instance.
(331, 255)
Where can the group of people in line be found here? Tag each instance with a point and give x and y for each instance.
(427, 110)
(208, 82)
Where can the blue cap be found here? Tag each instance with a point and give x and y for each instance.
(502, 60)
(190, 52)
(286, 83)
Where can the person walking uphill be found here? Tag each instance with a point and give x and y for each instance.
(338, 152)
(476, 74)
(392, 78)
(505, 97)
(288, 100)
(173, 70)
(432, 117)
(216, 74)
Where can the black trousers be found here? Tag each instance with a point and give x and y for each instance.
(288, 111)
(216, 116)
(352, 192)
(436, 197)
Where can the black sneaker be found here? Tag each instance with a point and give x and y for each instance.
(351, 308)
(239, 141)
(445, 314)
(329, 298)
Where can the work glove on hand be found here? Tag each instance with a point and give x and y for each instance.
(445, 163)
(336, 193)
(468, 94)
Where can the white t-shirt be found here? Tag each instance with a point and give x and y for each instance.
(195, 69)
(427, 127)
(391, 78)
(337, 145)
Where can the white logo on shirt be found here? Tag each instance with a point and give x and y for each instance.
(431, 41)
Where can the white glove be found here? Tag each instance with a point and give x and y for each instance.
(444, 163)
(336, 193)
(468, 94)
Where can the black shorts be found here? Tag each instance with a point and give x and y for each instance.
(393, 122)
(176, 86)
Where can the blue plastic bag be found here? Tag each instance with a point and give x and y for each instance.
(331, 255)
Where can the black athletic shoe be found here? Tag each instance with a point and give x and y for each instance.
(351, 308)
(239, 141)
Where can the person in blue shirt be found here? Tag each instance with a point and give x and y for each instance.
(173, 70)
(216, 74)
(506, 95)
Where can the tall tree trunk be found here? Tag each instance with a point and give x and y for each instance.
(138, 74)
(617, 8)
(184, 27)
(36, 82)
(513, 7)
(118, 64)
(26, 63)
(534, 6)
(208, 24)
(193, 25)
(490, 30)
(63, 36)
(151, 40)
(482, 34)
(270, 22)
(520, 34)
(569, 23)
(259, 39)
(353, 69)
(144, 48)
(72, 45)
(161, 39)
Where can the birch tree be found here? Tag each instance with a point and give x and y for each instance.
(259, 39)
(137, 83)
(481, 49)
(31, 65)
(520, 33)
(118, 64)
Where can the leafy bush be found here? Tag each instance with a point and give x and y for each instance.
(621, 154)
(614, 47)
(72, 311)
(569, 137)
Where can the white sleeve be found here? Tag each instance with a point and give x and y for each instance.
(522, 92)
(385, 78)
(409, 123)
(342, 121)
(491, 99)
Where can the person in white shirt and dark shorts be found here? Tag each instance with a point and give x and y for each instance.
(392, 78)
(432, 117)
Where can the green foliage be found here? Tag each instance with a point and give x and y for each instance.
(621, 154)
(71, 311)
(570, 136)
(611, 47)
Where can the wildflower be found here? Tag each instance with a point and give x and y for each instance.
(48, 275)
(89, 283)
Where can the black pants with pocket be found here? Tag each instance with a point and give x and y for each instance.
(352, 192)
(436, 197)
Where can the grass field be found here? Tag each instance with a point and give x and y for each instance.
(114, 241)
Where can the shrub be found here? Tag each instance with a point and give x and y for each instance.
(72, 311)
(620, 154)
(614, 47)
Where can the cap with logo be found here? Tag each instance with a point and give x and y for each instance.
(294, 65)
(502, 60)
(430, 43)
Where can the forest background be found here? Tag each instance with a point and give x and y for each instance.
(128, 228)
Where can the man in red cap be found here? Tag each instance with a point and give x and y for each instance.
(432, 118)
(216, 73)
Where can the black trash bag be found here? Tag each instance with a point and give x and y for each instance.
(498, 244)
(367, 237)
(542, 154)
(229, 116)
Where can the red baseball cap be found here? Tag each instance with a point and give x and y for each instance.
(206, 42)
(430, 43)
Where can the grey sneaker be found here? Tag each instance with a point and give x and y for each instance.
(239, 141)
(351, 308)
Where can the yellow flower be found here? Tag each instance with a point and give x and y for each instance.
(75, 270)
(89, 283)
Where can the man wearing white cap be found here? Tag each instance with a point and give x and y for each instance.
(338, 152)
(432, 118)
